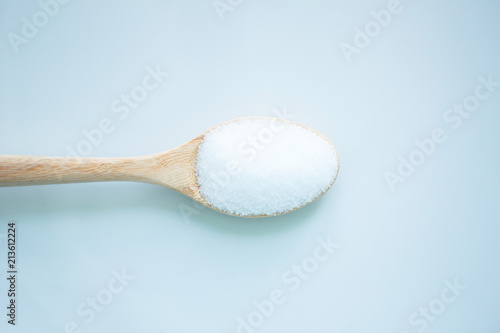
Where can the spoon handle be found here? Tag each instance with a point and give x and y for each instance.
(37, 170)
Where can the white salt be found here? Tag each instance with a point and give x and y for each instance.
(264, 166)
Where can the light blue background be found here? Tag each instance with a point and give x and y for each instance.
(200, 273)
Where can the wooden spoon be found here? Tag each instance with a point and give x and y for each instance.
(174, 168)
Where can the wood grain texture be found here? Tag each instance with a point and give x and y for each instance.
(175, 169)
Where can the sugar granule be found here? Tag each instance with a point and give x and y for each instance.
(264, 166)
